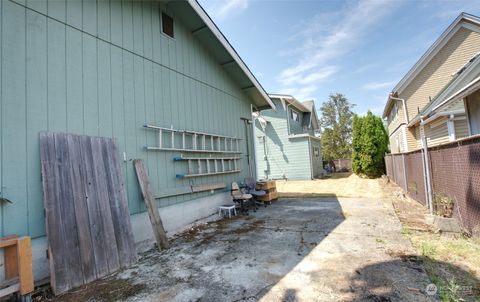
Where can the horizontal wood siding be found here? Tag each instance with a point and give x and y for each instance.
(295, 127)
(418, 137)
(103, 68)
(461, 128)
(438, 72)
(278, 155)
(457, 105)
(397, 141)
(437, 135)
(400, 118)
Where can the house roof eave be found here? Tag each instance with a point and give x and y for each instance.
(232, 52)
(464, 20)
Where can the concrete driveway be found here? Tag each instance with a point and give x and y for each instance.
(320, 249)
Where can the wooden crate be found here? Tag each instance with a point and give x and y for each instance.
(271, 195)
(17, 253)
(266, 185)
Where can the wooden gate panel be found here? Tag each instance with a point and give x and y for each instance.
(87, 218)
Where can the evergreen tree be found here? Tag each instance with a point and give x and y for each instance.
(336, 123)
(370, 143)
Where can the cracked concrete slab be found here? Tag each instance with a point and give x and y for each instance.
(318, 249)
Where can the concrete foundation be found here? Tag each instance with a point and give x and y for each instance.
(174, 217)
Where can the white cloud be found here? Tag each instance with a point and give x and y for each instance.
(313, 76)
(302, 87)
(379, 85)
(222, 9)
(326, 38)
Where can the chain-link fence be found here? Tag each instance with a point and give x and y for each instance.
(455, 175)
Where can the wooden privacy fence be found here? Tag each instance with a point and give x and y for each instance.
(87, 218)
(454, 171)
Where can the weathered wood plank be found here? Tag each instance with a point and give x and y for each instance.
(108, 240)
(95, 217)
(155, 220)
(54, 231)
(71, 251)
(9, 290)
(77, 174)
(208, 187)
(119, 204)
(87, 217)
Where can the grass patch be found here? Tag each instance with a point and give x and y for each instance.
(406, 231)
(452, 263)
(449, 289)
(462, 250)
(428, 250)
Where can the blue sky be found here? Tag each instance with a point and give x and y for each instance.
(313, 48)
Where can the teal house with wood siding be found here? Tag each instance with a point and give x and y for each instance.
(287, 142)
(147, 73)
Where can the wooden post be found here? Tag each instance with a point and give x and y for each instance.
(24, 248)
(153, 214)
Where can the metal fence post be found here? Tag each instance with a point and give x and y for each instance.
(393, 168)
(426, 172)
(405, 173)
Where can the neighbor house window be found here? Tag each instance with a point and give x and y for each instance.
(294, 115)
(394, 113)
(167, 25)
(316, 151)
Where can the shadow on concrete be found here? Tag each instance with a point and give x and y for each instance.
(339, 175)
(269, 255)
(250, 258)
(233, 259)
(400, 280)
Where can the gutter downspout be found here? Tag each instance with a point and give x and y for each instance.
(254, 138)
(426, 171)
(310, 157)
(246, 122)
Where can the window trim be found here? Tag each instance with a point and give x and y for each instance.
(293, 111)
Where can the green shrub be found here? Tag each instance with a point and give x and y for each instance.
(370, 143)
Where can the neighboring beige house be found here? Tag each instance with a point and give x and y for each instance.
(447, 64)
(463, 89)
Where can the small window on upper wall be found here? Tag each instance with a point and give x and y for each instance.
(167, 25)
(294, 115)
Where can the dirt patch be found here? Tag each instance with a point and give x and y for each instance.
(109, 289)
(412, 214)
(192, 233)
(338, 184)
